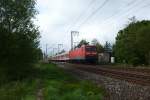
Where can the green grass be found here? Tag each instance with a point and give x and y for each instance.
(59, 85)
(18, 90)
(55, 83)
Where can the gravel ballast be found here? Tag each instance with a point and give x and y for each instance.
(116, 89)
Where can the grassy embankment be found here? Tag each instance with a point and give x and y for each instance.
(55, 85)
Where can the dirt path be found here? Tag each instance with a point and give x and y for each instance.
(39, 93)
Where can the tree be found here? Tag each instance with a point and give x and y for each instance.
(133, 43)
(19, 37)
(143, 42)
(108, 47)
(39, 54)
(99, 47)
(82, 42)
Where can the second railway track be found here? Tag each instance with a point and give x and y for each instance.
(131, 76)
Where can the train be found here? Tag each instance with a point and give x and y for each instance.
(84, 54)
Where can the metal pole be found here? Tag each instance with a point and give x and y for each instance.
(71, 40)
(59, 47)
(73, 33)
(75, 44)
(54, 51)
(46, 51)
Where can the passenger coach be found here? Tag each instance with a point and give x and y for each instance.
(86, 53)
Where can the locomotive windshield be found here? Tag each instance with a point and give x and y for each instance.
(90, 49)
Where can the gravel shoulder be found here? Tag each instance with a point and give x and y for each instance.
(116, 89)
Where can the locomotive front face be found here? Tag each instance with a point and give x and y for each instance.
(90, 53)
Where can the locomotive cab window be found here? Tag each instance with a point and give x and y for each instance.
(90, 49)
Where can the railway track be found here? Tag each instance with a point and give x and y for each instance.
(132, 76)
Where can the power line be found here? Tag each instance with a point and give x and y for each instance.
(125, 11)
(82, 14)
(138, 9)
(128, 11)
(130, 3)
(120, 13)
(144, 7)
(130, 8)
(94, 12)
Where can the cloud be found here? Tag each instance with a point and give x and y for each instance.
(58, 17)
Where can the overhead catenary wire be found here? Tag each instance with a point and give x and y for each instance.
(120, 13)
(130, 7)
(124, 13)
(83, 13)
(94, 12)
(130, 3)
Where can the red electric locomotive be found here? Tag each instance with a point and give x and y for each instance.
(85, 53)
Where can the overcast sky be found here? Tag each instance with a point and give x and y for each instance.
(100, 19)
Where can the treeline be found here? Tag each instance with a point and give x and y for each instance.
(107, 47)
(19, 38)
(133, 43)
